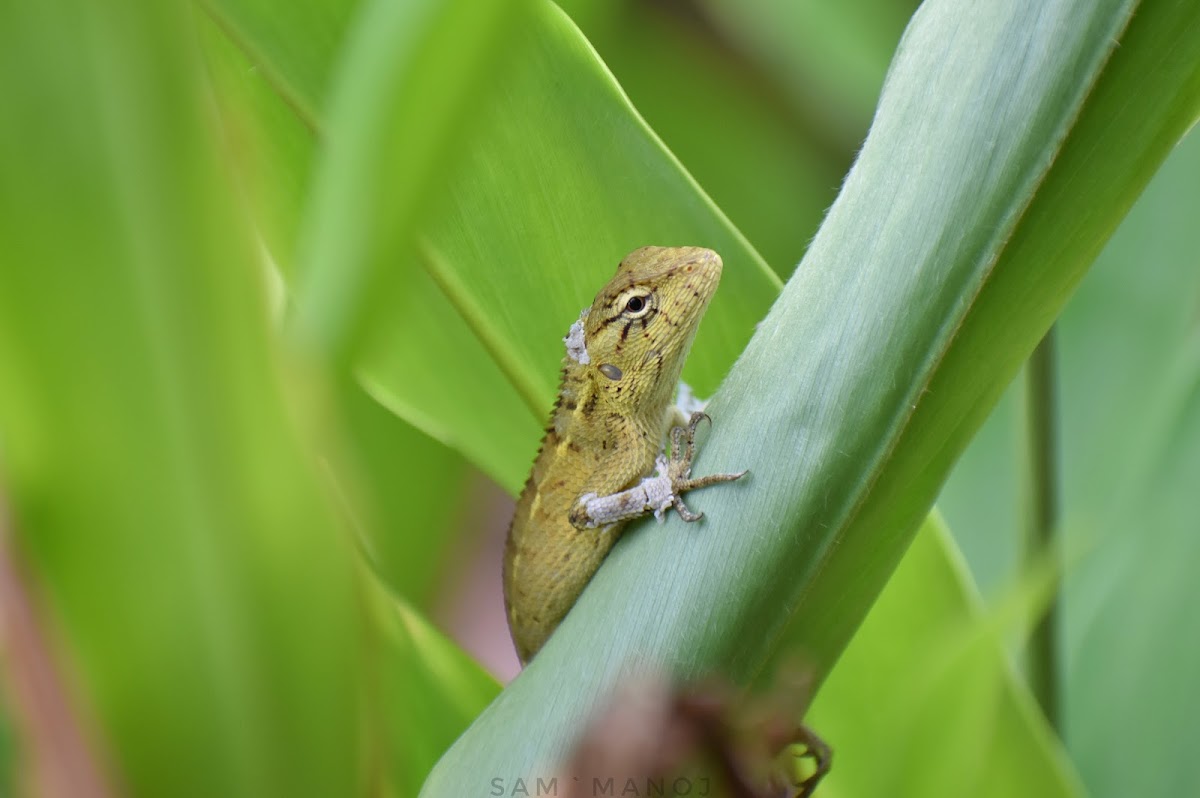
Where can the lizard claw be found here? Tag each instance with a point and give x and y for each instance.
(679, 467)
(686, 512)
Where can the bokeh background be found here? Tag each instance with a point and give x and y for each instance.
(154, 483)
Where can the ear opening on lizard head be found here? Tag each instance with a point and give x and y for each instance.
(611, 371)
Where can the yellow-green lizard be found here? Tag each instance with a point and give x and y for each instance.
(606, 434)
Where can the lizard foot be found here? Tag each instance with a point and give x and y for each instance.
(816, 750)
(679, 467)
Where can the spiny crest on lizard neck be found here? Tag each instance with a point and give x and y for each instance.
(639, 328)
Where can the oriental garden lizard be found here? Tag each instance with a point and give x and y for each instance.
(602, 462)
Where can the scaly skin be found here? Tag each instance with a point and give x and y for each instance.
(606, 430)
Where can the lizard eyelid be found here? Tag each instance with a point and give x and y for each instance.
(636, 303)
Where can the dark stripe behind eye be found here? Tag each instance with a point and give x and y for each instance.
(643, 319)
(605, 322)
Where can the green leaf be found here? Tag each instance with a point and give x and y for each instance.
(426, 692)
(429, 368)
(829, 58)
(427, 59)
(200, 594)
(1008, 144)
(728, 122)
(925, 694)
(408, 492)
(1135, 607)
(1129, 366)
(1131, 603)
(300, 41)
(271, 144)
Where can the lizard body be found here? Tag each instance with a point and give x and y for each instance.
(593, 471)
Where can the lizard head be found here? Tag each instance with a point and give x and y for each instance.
(641, 325)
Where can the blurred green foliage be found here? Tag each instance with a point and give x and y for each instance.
(790, 87)
(945, 683)
(278, 276)
(161, 492)
(1128, 344)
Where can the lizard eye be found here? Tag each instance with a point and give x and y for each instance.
(636, 306)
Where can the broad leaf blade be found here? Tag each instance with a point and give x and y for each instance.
(925, 694)
(426, 692)
(300, 43)
(429, 60)
(407, 491)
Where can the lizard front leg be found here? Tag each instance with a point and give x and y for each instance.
(657, 493)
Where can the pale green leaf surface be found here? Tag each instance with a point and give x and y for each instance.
(197, 589)
(1131, 364)
(378, 171)
(407, 491)
(272, 147)
(428, 691)
(426, 366)
(1134, 642)
(1007, 146)
(1124, 339)
(301, 40)
(925, 694)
